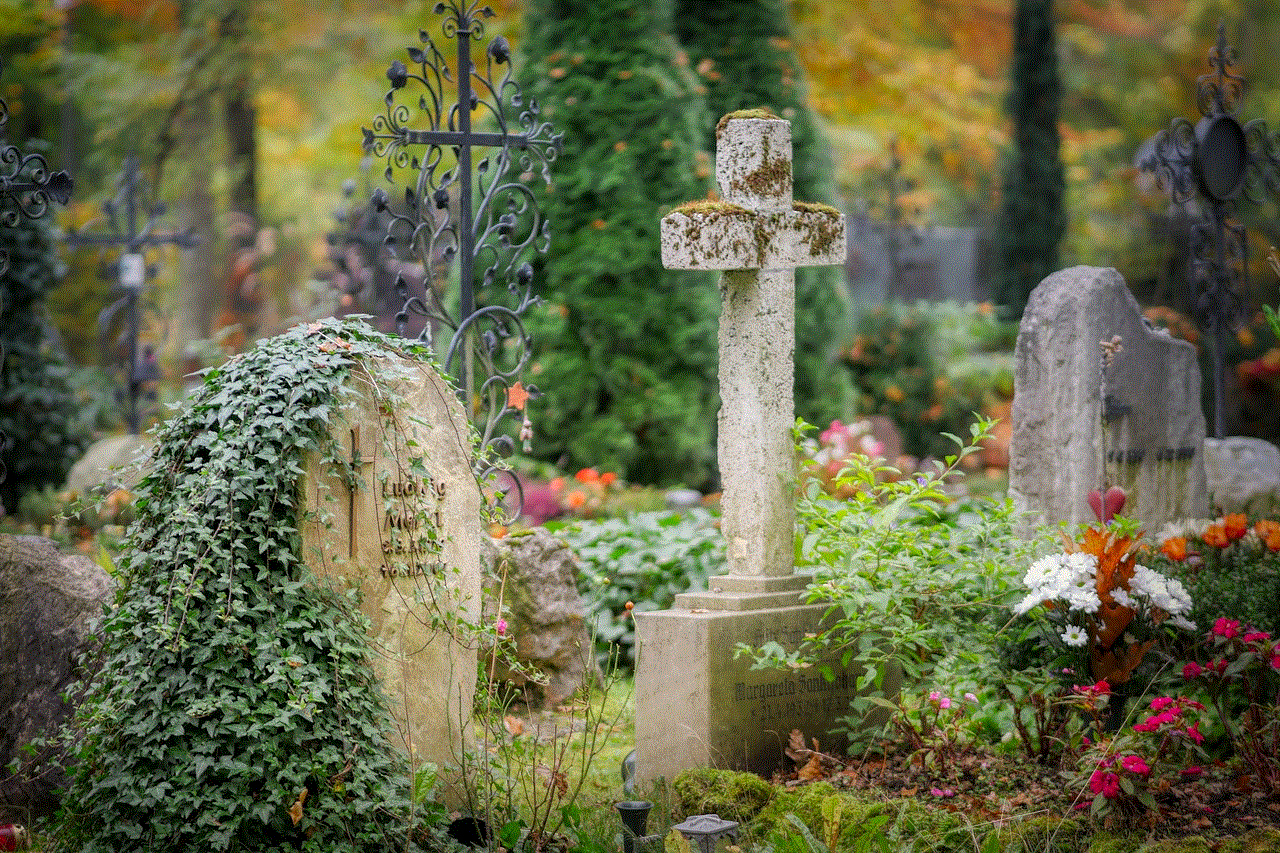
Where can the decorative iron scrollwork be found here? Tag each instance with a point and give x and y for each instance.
(1213, 163)
(491, 227)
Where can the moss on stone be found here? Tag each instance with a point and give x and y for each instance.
(754, 112)
(711, 206)
(730, 794)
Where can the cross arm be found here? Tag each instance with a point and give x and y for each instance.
(720, 236)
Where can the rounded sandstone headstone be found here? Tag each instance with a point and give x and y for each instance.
(405, 539)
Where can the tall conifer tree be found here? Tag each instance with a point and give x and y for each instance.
(742, 49)
(625, 350)
(1031, 221)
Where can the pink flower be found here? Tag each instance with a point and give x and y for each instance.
(1105, 783)
(1255, 636)
(1192, 670)
(1193, 732)
(1227, 628)
(1275, 660)
(1135, 764)
(944, 702)
(971, 697)
(1161, 702)
(501, 627)
(942, 792)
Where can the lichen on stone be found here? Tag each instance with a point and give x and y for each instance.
(754, 112)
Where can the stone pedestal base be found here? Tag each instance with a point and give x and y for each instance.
(698, 706)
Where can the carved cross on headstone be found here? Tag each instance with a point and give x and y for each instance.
(358, 461)
(757, 235)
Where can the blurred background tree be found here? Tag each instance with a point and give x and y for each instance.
(1031, 219)
(625, 350)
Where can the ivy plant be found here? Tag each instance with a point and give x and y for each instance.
(235, 706)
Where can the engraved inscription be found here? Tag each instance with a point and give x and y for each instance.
(412, 520)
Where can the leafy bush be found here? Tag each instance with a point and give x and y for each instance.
(915, 582)
(929, 368)
(646, 560)
(236, 706)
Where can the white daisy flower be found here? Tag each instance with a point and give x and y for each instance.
(1074, 636)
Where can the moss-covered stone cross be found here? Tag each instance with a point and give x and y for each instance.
(757, 235)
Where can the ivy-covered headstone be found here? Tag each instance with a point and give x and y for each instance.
(396, 520)
(239, 703)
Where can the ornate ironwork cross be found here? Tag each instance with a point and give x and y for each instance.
(497, 225)
(1216, 161)
(133, 238)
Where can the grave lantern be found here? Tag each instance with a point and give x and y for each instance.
(1216, 161)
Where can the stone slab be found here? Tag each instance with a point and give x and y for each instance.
(698, 706)
(407, 539)
(1060, 449)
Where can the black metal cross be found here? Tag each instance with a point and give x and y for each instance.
(133, 239)
(498, 224)
(1217, 160)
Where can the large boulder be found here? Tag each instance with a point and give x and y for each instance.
(537, 576)
(47, 600)
(117, 461)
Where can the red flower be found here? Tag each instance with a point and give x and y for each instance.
(587, 475)
(1235, 525)
(1226, 628)
(1192, 670)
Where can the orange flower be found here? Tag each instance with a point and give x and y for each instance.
(1216, 535)
(1175, 548)
(1116, 558)
(575, 500)
(1269, 532)
(1235, 525)
(557, 485)
(587, 475)
(608, 478)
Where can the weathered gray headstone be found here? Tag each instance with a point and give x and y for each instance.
(114, 462)
(407, 537)
(1243, 473)
(1146, 437)
(696, 704)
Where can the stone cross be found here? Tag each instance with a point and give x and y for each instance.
(757, 236)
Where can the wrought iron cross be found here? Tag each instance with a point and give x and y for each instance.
(498, 224)
(133, 239)
(1215, 161)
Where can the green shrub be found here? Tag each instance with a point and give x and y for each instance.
(624, 349)
(915, 582)
(1237, 577)
(232, 687)
(38, 412)
(645, 559)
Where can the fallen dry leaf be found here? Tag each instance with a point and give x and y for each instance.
(295, 810)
